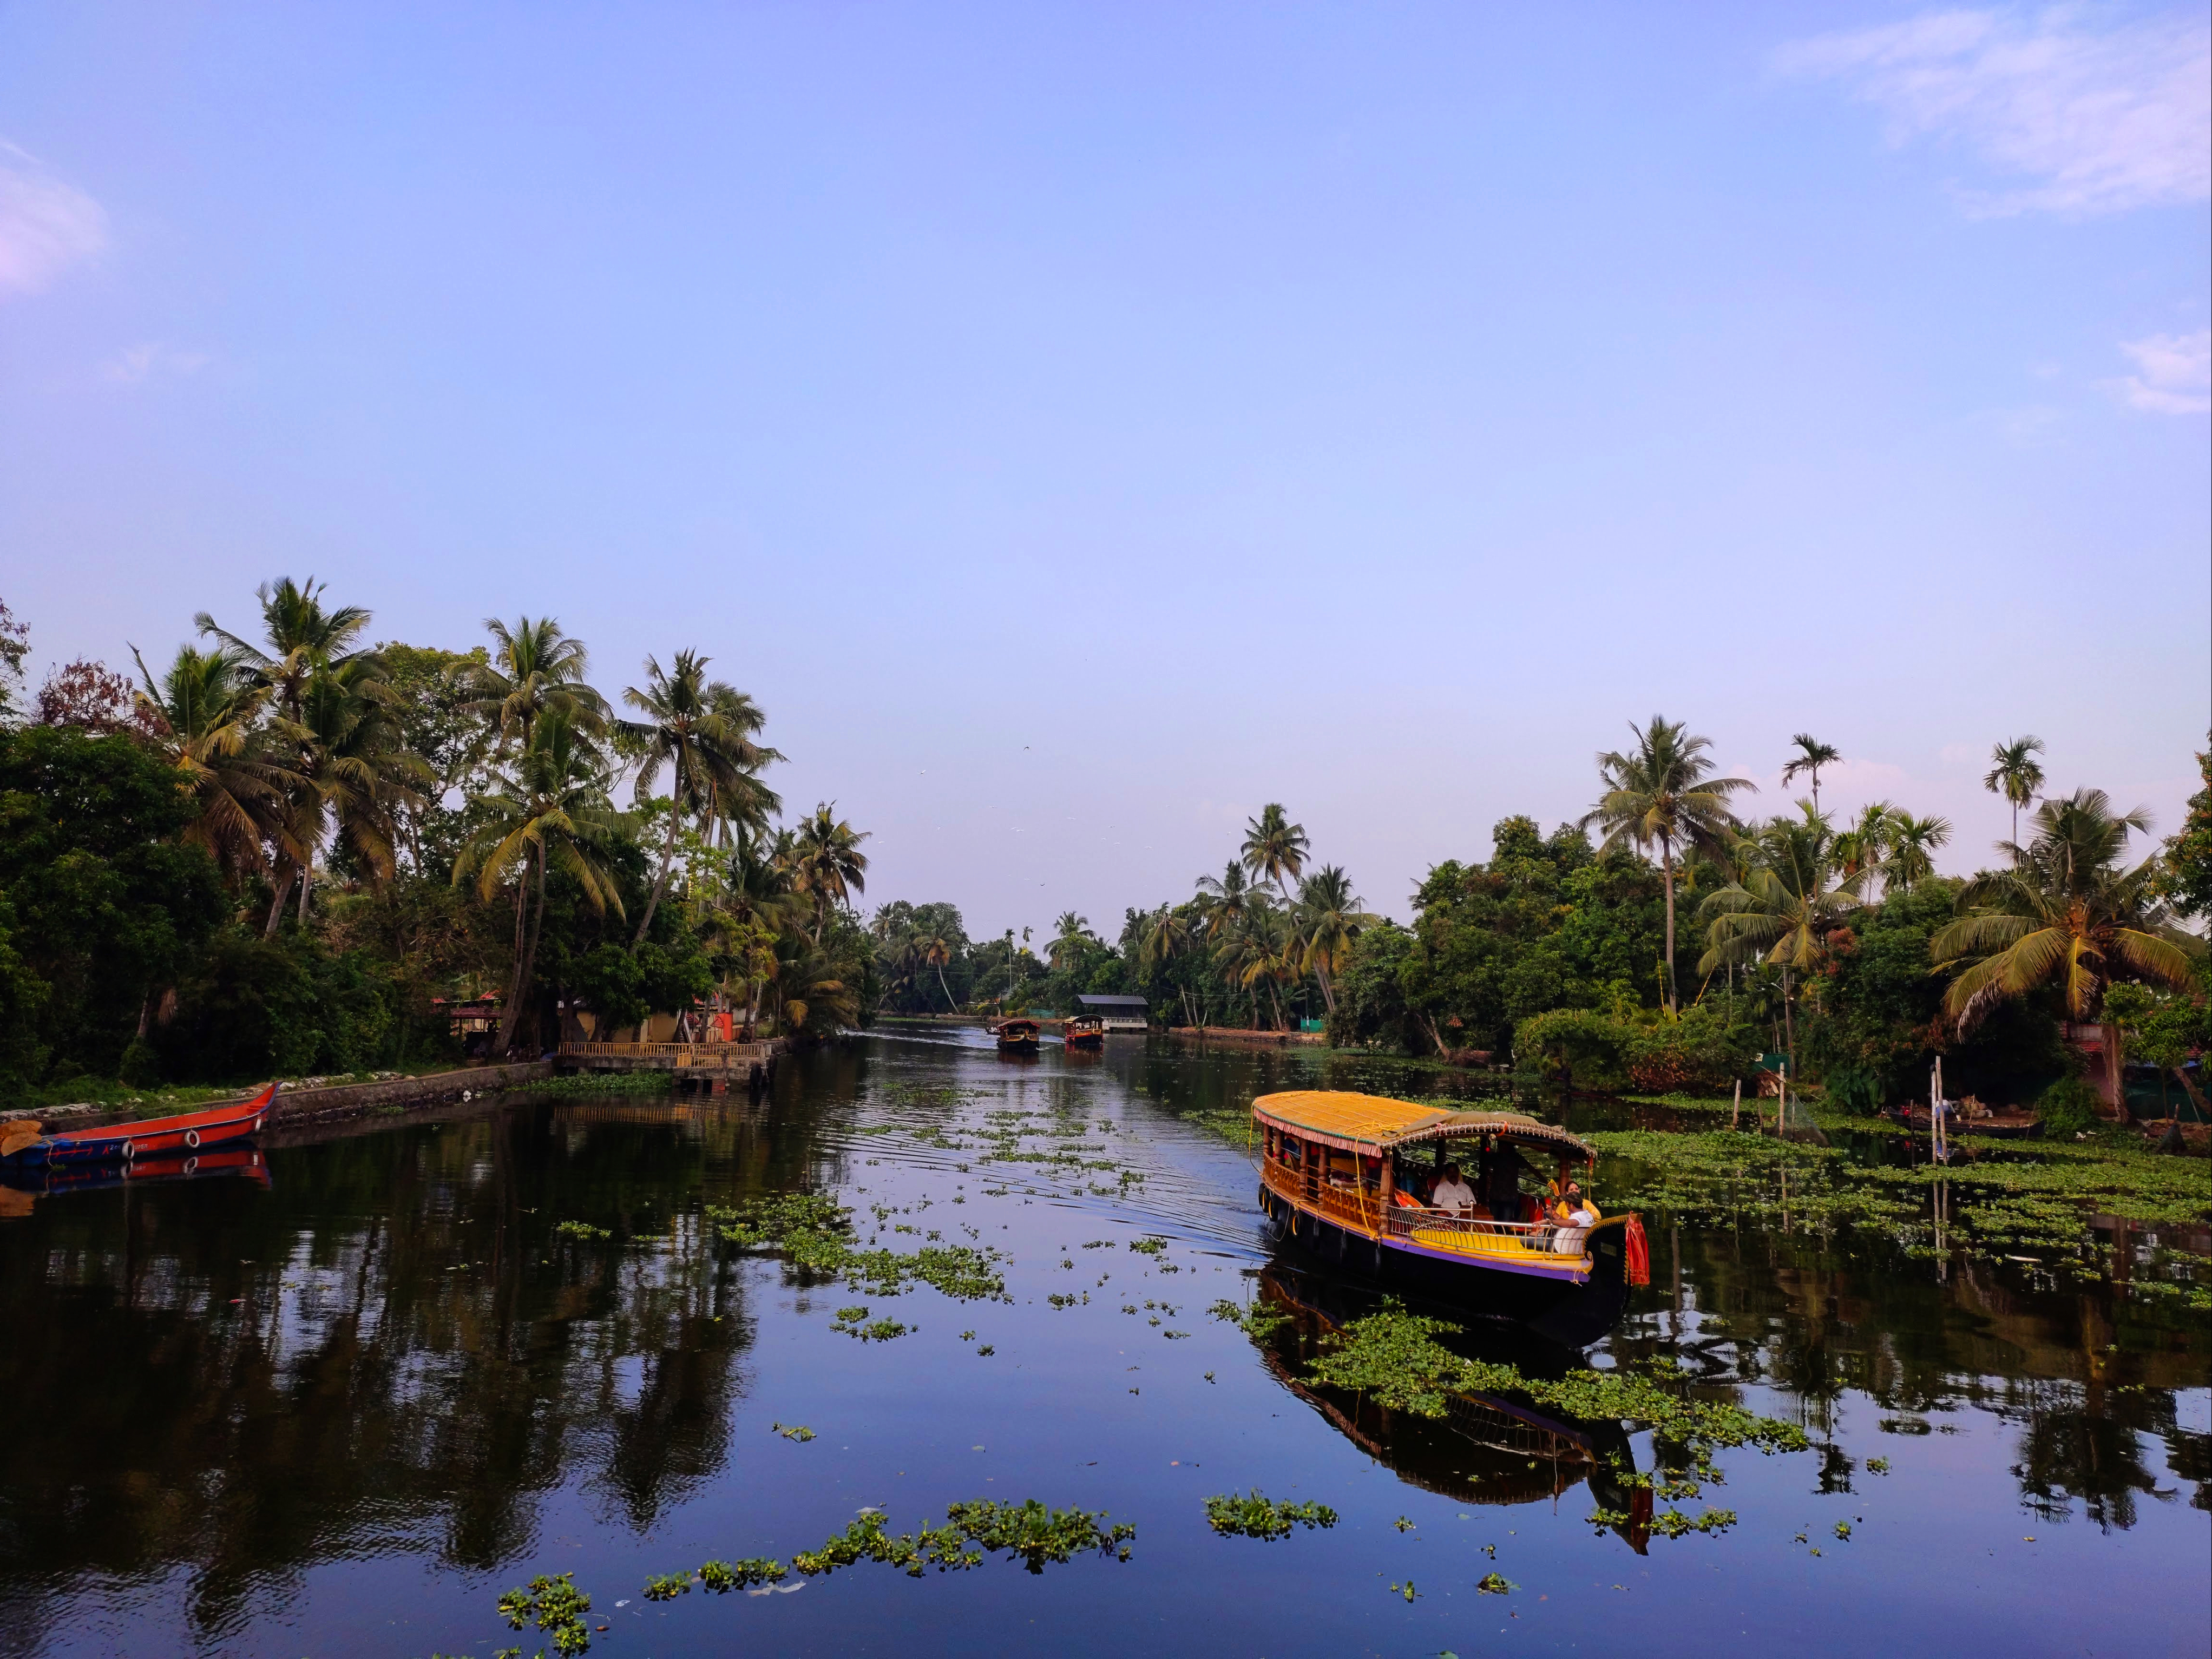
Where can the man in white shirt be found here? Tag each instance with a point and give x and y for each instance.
(1452, 1194)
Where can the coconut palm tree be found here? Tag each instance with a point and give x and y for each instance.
(202, 717)
(696, 728)
(549, 809)
(826, 862)
(1662, 792)
(535, 668)
(1783, 911)
(2015, 774)
(1867, 842)
(933, 951)
(1163, 935)
(2066, 916)
(305, 636)
(1912, 844)
(1328, 918)
(1812, 756)
(1274, 848)
(329, 710)
(1071, 933)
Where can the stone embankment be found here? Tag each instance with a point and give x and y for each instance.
(312, 1101)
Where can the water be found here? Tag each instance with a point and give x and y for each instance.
(341, 1413)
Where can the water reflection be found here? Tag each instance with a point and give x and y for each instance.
(390, 1343)
(1486, 1449)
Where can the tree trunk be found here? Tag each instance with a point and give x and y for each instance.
(1327, 994)
(1667, 868)
(660, 881)
(307, 881)
(2115, 1072)
(943, 987)
(526, 964)
(2193, 1093)
(276, 907)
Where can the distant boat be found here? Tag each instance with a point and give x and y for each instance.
(1016, 1036)
(126, 1143)
(1087, 1031)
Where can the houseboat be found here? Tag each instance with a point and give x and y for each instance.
(1016, 1036)
(1350, 1178)
(1086, 1031)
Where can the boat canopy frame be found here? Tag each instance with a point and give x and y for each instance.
(1374, 1126)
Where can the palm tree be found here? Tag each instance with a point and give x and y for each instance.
(1913, 843)
(826, 861)
(2015, 774)
(1164, 934)
(1071, 934)
(1867, 842)
(1328, 919)
(354, 767)
(306, 637)
(551, 809)
(1274, 848)
(202, 715)
(934, 950)
(536, 668)
(313, 657)
(1783, 911)
(696, 728)
(1662, 791)
(1812, 756)
(2066, 915)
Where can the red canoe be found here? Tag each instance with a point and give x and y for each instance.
(124, 1143)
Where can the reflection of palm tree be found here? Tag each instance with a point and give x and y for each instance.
(701, 731)
(1812, 756)
(2015, 774)
(1662, 791)
(551, 808)
(1274, 848)
(1783, 911)
(2065, 915)
(202, 714)
(1912, 844)
(1328, 919)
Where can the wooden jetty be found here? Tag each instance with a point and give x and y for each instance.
(710, 1066)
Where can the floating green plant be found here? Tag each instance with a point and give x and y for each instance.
(1496, 1583)
(580, 1230)
(1255, 1515)
(555, 1606)
(798, 1432)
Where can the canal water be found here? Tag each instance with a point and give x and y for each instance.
(342, 1409)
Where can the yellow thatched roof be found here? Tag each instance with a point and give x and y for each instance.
(1369, 1123)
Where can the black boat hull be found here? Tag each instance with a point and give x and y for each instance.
(1577, 1315)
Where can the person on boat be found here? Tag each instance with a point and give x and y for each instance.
(1576, 1216)
(1453, 1194)
(1501, 1171)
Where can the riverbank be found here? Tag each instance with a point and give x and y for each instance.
(307, 1100)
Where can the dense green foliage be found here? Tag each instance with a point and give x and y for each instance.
(284, 856)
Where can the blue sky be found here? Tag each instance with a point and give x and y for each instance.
(1078, 426)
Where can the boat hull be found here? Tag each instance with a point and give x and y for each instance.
(181, 1136)
(1577, 1313)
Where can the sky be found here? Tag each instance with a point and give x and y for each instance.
(1078, 426)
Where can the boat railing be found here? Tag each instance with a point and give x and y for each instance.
(1349, 1205)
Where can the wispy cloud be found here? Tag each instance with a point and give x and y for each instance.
(46, 224)
(2175, 373)
(2099, 118)
(152, 357)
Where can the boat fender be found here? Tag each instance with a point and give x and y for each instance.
(128, 1150)
(193, 1139)
(191, 1166)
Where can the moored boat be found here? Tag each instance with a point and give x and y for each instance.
(1016, 1036)
(1086, 1031)
(1340, 1176)
(125, 1143)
